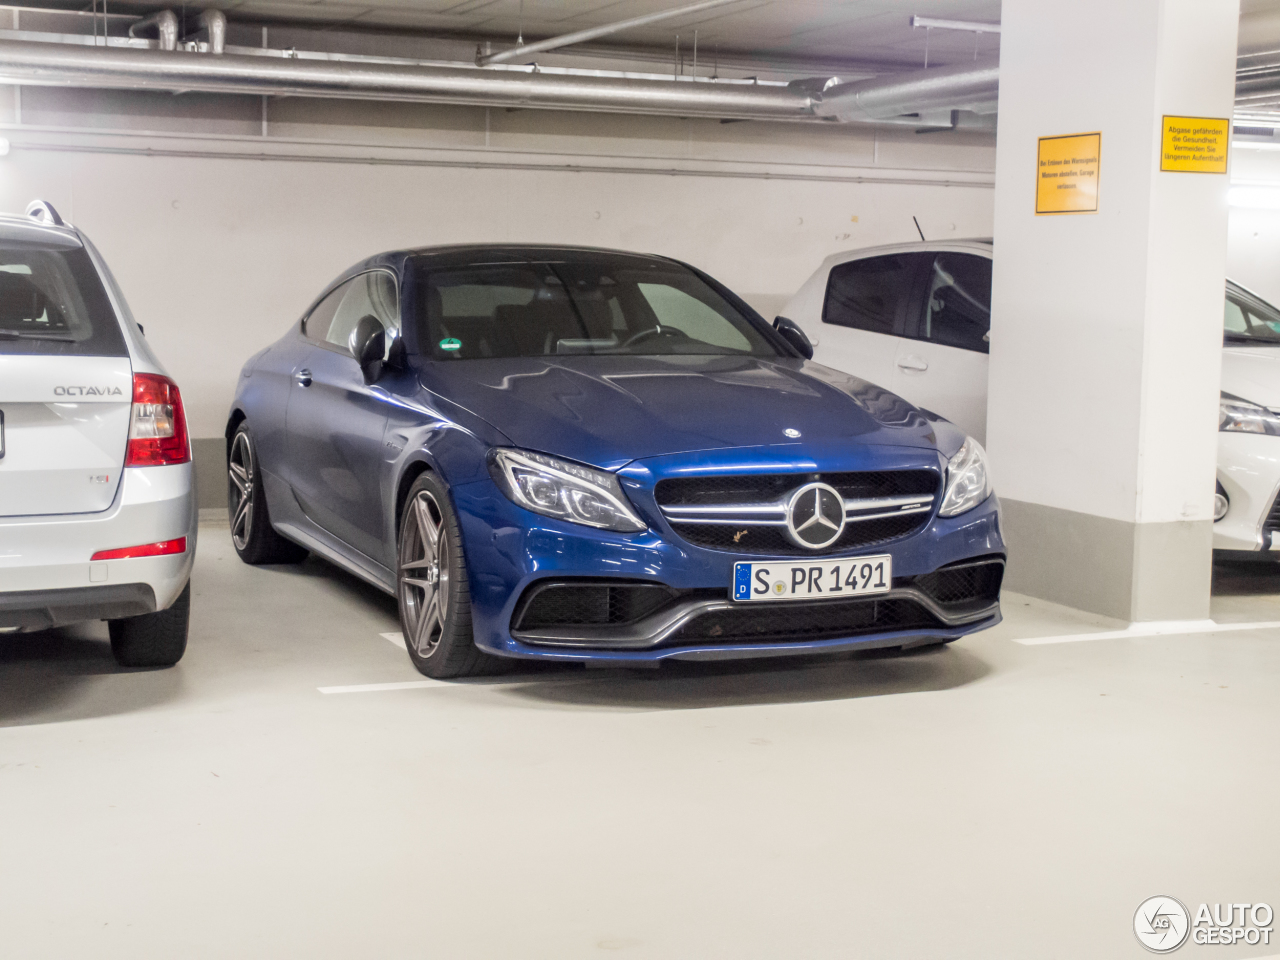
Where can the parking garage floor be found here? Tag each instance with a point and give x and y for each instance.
(988, 799)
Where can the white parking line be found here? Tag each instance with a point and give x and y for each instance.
(1163, 628)
(397, 638)
(382, 687)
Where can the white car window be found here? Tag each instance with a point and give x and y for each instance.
(1235, 322)
(1249, 320)
(870, 294)
(958, 310)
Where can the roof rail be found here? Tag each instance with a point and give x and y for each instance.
(42, 211)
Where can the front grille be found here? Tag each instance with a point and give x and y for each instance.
(796, 622)
(882, 520)
(587, 603)
(771, 541)
(964, 583)
(766, 488)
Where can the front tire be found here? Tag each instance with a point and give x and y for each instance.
(153, 639)
(255, 540)
(432, 588)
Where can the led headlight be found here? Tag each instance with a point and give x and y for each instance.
(1241, 416)
(967, 481)
(564, 490)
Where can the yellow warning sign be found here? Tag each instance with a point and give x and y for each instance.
(1195, 144)
(1067, 173)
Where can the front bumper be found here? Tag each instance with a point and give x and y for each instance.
(1249, 471)
(47, 577)
(508, 549)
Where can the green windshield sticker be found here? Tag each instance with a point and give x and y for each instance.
(449, 343)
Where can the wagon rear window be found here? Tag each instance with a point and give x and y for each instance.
(53, 302)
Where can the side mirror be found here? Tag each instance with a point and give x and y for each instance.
(792, 333)
(368, 344)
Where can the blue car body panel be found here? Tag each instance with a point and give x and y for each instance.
(338, 456)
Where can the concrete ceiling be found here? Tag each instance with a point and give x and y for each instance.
(867, 32)
(853, 31)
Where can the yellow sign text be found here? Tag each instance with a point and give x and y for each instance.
(1067, 170)
(1194, 144)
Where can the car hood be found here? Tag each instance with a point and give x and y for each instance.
(607, 411)
(1253, 374)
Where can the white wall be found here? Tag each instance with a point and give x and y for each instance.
(218, 256)
(1253, 249)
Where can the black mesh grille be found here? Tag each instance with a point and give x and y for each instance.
(589, 604)
(964, 583)
(1271, 524)
(766, 488)
(771, 541)
(799, 622)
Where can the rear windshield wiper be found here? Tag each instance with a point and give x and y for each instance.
(25, 335)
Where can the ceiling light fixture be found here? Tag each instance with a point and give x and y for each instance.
(970, 26)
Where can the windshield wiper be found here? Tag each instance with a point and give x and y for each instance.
(25, 335)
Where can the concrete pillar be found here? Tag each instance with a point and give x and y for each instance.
(1106, 330)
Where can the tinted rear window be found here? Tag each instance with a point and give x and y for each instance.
(596, 305)
(52, 302)
(871, 294)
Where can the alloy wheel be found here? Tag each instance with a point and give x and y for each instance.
(240, 473)
(424, 574)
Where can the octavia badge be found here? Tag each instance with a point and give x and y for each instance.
(815, 516)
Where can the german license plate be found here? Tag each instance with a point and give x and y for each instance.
(781, 580)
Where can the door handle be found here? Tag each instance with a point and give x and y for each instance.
(302, 377)
(913, 363)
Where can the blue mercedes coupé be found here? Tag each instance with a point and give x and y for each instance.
(588, 455)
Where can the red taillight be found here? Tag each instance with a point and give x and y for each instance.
(157, 424)
(161, 549)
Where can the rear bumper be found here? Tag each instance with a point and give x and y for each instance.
(42, 609)
(43, 556)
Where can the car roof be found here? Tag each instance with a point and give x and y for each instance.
(979, 245)
(24, 229)
(519, 252)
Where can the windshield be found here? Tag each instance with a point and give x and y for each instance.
(53, 302)
(594, 305)
(1250, 320)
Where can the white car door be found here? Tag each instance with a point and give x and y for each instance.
(865, 307)
(942, 361)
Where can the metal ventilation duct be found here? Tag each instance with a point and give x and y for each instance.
(49, 64)
(875, 100)
(921, 91)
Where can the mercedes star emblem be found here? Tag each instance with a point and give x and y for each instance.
(815, 516)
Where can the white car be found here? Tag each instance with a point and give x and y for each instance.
(914, 319)
(97, 505)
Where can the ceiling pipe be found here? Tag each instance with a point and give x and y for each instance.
(214, 24)
(52, 64)
(592, 33)
(919, 91)
(921, 94)
(165, 24)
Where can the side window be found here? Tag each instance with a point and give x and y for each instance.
(870, 294)
(958, 310)
(370, 293)
(318, 322)
(1234, 321)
